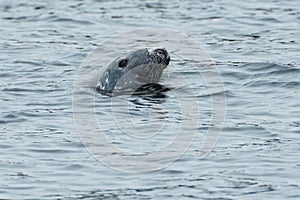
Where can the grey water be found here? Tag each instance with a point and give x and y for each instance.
(46, 130)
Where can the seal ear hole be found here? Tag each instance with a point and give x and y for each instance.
(123, 63)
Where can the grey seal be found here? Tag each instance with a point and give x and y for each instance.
(134, 70)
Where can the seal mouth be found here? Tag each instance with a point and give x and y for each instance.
(160, 56)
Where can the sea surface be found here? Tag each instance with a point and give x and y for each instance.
(229, 128)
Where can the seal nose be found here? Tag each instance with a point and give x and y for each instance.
(162, 52)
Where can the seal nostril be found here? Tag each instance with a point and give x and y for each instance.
(168, 60)
(162, 51)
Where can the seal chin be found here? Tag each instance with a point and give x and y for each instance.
(159, 55)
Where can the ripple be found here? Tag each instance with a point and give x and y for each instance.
(256, 49)
(70, 20)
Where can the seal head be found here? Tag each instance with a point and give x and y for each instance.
(133, 70)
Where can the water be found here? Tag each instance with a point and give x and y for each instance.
(255, 48)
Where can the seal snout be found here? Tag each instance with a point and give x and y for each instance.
(161, 53)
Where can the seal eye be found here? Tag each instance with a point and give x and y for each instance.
(123, 63)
